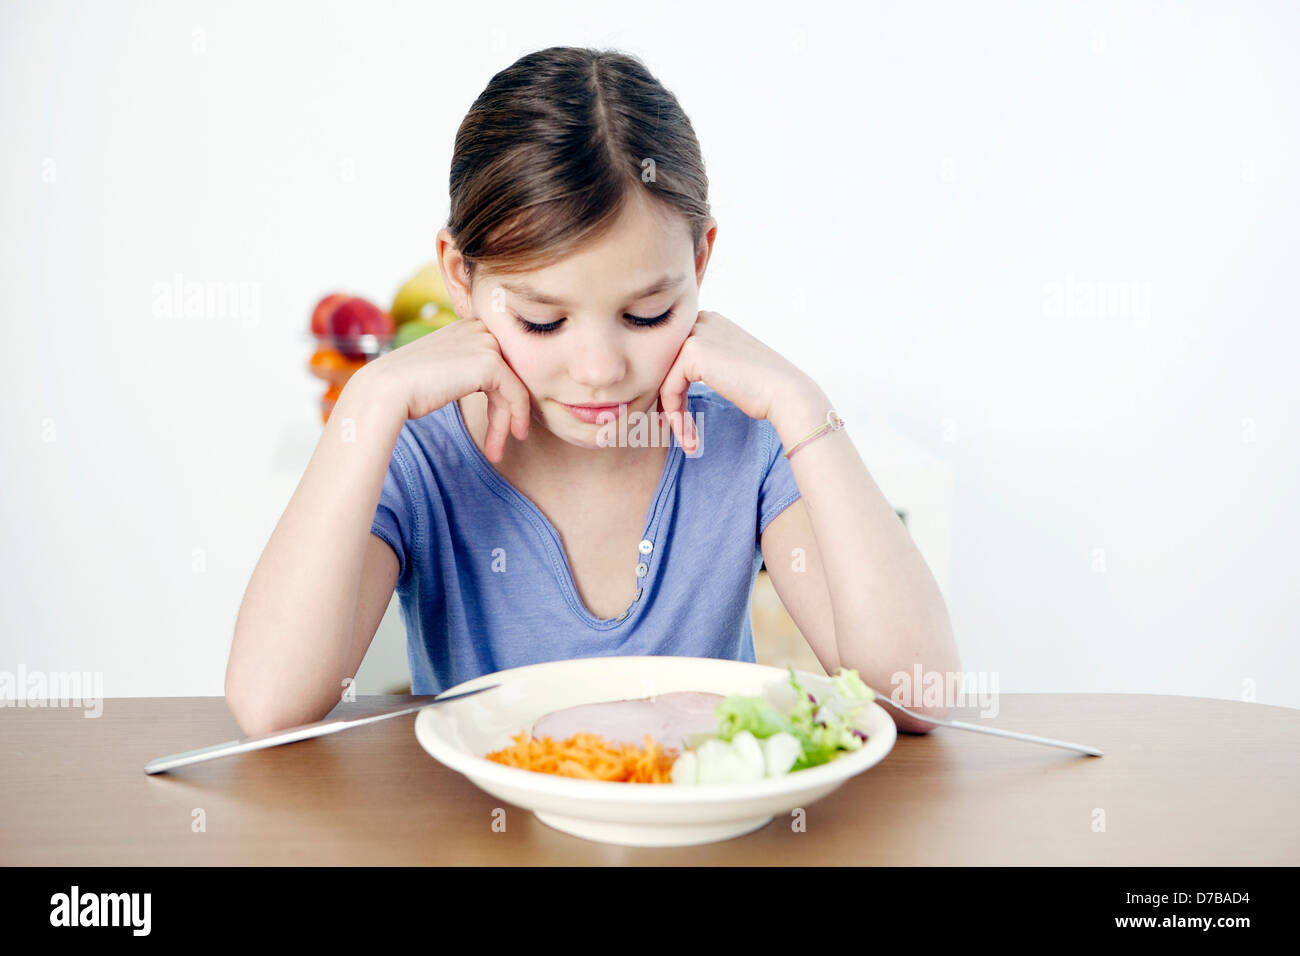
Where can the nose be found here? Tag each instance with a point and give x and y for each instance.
(598, 361)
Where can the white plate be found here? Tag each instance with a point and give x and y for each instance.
(458, 734)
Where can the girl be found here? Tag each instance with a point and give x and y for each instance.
(648, 477)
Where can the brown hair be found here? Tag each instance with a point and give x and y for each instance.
(550, 152)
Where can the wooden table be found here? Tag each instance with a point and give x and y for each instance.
(1185, 781)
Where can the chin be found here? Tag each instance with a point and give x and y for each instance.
(573, 432)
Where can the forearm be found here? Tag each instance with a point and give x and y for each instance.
(889, 614)
(293, 633)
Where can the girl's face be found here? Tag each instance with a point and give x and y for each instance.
(603, 326)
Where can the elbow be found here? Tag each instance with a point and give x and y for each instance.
(260, 709)
(909, 725)
(945, 671)
(248, 708)
(253, 719)
(251, 723)
(931, 688)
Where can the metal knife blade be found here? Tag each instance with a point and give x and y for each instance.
(274, 739)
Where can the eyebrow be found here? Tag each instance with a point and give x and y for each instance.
(526, 291)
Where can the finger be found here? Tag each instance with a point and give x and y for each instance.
(672, 398)
(520, 406)
(514, 395)
(498, 425)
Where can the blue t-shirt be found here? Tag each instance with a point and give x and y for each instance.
(485, 584)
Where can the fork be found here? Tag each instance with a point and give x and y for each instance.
(962, 725)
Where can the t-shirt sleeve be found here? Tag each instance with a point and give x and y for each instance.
(778, 490)
(393, 521)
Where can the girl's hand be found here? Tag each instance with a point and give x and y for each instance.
(730, 361)
(460, 358)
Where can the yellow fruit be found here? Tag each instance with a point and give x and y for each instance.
(437, 319)
(425, 288)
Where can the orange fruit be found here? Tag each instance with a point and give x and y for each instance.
(330, 365)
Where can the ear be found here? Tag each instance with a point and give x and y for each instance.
(454, 274)
(704, 251)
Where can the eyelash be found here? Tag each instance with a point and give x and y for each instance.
(552, 327)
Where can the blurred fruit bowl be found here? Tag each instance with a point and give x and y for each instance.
(356, 348)
(350, 331)
(327, 401)
(331, 365)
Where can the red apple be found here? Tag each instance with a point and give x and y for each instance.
(355, 317)
(320, 316)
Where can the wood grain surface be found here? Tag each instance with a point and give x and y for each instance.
(1184, 781)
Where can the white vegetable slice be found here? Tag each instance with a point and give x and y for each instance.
(749, 752)
(780, 751)
(685, 769)
(781, 695)
(820, 687)
(721, 762)
(714, 763)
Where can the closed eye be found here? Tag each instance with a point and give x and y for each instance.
(636, 321)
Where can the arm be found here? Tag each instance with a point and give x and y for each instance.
(295, 637)
(866, 598)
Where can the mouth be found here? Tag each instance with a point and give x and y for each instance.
(592, 414)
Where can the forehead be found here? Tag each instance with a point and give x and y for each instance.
(647, 250)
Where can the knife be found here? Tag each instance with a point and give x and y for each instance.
(318, 729)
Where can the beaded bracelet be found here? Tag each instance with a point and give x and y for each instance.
(833, 424)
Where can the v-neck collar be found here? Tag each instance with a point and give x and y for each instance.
(560, 559)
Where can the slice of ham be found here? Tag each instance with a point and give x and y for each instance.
(668, 718)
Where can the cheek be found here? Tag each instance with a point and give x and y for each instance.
(668, 347)
(516, 348)
(663, 353)
(527, 361)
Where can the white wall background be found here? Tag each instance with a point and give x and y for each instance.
(1051, 244)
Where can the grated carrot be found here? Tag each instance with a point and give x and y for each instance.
(589, 757)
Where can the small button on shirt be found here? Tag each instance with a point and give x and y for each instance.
(485, 584)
